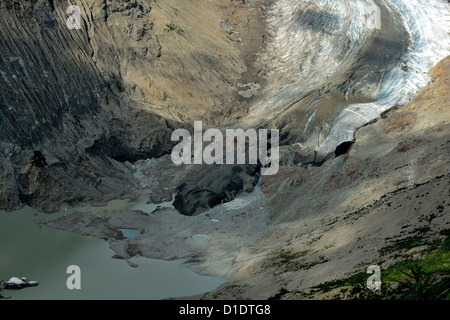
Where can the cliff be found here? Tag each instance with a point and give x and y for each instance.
(88, 101)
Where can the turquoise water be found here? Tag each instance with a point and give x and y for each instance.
(35, 251)
(200, 238)
(130, 233)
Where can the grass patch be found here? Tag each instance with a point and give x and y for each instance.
(287, 256)
(346, 282)
(279, 295)
(173, 27)
(286, 261)
(404, 244)
(427, 278)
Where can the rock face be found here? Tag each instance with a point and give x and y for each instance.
(88, 100)
(205, 190)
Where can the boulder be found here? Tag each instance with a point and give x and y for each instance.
(19, 283)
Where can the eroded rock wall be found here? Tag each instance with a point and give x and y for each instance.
(91, 99)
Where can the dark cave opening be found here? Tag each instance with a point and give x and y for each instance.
(343, 148)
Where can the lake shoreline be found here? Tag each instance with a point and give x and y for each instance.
(168, 235)
(48, 252)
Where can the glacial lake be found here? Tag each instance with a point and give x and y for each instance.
(37, 252)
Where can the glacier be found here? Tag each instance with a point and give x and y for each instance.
(316, 42)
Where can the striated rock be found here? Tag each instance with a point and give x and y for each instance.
(88, 100)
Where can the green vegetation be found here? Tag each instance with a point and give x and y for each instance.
(173, 27)
(404, 244)
(350, 281)
(421, 286)
(279, 295)
(287, 261)
(287, 256)
(425, 278)
(360, 291)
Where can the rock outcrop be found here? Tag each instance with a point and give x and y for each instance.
(207, 190)
(16, 283)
